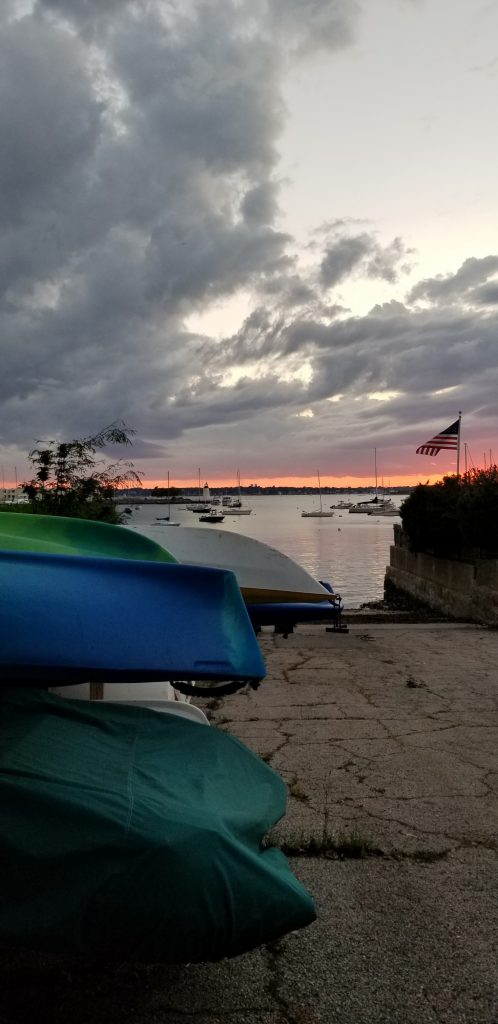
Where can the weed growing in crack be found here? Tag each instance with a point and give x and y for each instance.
(267, 756)
(296, 790)
(341, 847)
(214, 703)
(413, 683)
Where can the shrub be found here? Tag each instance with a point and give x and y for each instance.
(454, 514)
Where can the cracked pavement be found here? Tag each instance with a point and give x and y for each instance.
(387, 738)
(391, 731)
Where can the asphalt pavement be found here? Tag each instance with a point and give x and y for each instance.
(387, 738)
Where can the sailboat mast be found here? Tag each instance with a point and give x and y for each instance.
(169, 500)
(375, 460)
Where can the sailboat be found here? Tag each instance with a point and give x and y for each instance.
(375, 506)
(236, 508)
(318, 512)
(202, 503)
(167, 519)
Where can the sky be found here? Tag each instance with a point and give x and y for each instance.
(261, 233)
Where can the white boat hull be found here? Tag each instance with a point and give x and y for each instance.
(264, 574)
(317, 515)
(145, 692)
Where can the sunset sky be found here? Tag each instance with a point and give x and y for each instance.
(262, 233)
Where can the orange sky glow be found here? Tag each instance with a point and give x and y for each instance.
(286, 481)
(300, 481)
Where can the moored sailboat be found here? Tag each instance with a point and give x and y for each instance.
(236, 508)
(203, 502)
(167, 519)
(319, 512)
(377, 505)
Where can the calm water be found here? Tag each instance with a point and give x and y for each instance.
(349, 551)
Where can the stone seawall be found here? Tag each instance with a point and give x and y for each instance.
(461, 590)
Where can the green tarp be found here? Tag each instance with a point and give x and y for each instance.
(136, 835)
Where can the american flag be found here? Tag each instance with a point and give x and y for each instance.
(447, 440)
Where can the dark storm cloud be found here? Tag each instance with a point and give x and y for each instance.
(139, 184)
(350, 254)
(126, 200)
(486, 295)
(49, 119)
(259, 205)
(82, 10)
(395, 349)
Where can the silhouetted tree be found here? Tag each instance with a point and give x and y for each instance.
(68, 482)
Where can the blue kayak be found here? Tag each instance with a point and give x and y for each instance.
(66, 619)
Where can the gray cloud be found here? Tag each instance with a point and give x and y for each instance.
(138, 186)
(362, 253)
(49, 119)
(454, 287)
(311, 25)
(486, 295)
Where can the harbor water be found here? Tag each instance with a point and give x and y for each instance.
(350, 551)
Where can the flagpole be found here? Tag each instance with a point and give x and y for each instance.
(458, 444)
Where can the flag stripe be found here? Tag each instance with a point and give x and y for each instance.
(447, 440)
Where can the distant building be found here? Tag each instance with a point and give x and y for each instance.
(12, 496)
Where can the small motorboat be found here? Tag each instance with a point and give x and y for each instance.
(212, 517)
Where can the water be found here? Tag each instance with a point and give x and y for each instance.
(349, 551)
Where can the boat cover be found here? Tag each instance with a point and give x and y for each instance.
(62, 535)
(136, 835)
(68, 619)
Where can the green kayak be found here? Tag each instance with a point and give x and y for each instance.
(60, 535)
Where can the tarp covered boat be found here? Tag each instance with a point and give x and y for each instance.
(124, 832)
(136, 835)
